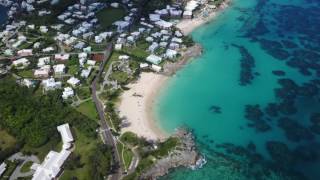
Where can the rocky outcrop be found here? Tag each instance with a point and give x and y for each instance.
(185, 155)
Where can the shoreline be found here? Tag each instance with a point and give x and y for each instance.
(137, 105)
(187, 26)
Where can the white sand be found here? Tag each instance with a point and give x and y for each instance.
(186, 26)
(138, 110)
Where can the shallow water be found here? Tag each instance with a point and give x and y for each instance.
(212, 82)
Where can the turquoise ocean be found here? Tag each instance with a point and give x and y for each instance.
(252, 98)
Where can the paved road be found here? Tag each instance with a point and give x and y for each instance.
(107, 136)
(17, 172)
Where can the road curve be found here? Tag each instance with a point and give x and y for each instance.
(106, 133)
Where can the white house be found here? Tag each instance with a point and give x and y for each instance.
(51, 167)
(3, 167)
(85, 73)
(43, 61)
(123, 57)
(23, 62)
(153, 47)
(170, 54)
(61, 57)
(28, 83)
(66, 135)
(144, 65)
(48, 49)
(59, 69)
(118, 47)
(25, 52)
(43, 72)
(156, 68)
(51, 84)
(163, 24)
(43, 29)
(67, 93)
(154, 59)
(73, 81)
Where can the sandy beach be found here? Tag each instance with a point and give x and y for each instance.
(186, 26)
(136, 105)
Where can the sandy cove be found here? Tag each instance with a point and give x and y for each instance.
(136, 105)
(186, 26)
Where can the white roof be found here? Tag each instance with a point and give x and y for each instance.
(59, 68)
(68, 92)
(154, 59)
(66, 134)
(51, 165)
(73, 81)
(3, 167)
(164, 24)
(144, 65)
(156, 68)
(61, 56)
(21, 61)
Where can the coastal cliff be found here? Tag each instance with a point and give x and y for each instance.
(184, 155)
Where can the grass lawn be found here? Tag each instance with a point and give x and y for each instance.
(126, 154)
(109, 15)
(138, 51)
(83, 147)
(121, 77)
(26, 167)
(127, 157)
(83, 92)
(98, 47)
(26, 73)
(6, 140)
(88, 109)
(73, 69)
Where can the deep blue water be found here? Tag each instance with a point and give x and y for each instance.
(3, 14)
(252, 99)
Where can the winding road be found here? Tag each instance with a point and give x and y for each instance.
(106, 133)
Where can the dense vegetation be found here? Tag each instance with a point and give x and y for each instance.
(32, 119)
(98, 159)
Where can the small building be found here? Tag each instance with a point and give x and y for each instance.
(61, 57)
(29, 83)
(144, 65)
(123, 57)
(170, 54)
(163, 24)
(156, 68)
(153, 47)
(43, 72)
(43, 61)
(73, 81)
(154, 59)
(59, 69)
(66, 135)
(51, 84)
(67, 93)
(21, 63)
(3, 168)
(85, 73)
(187, 14)
(25, 52)
(118, 47)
